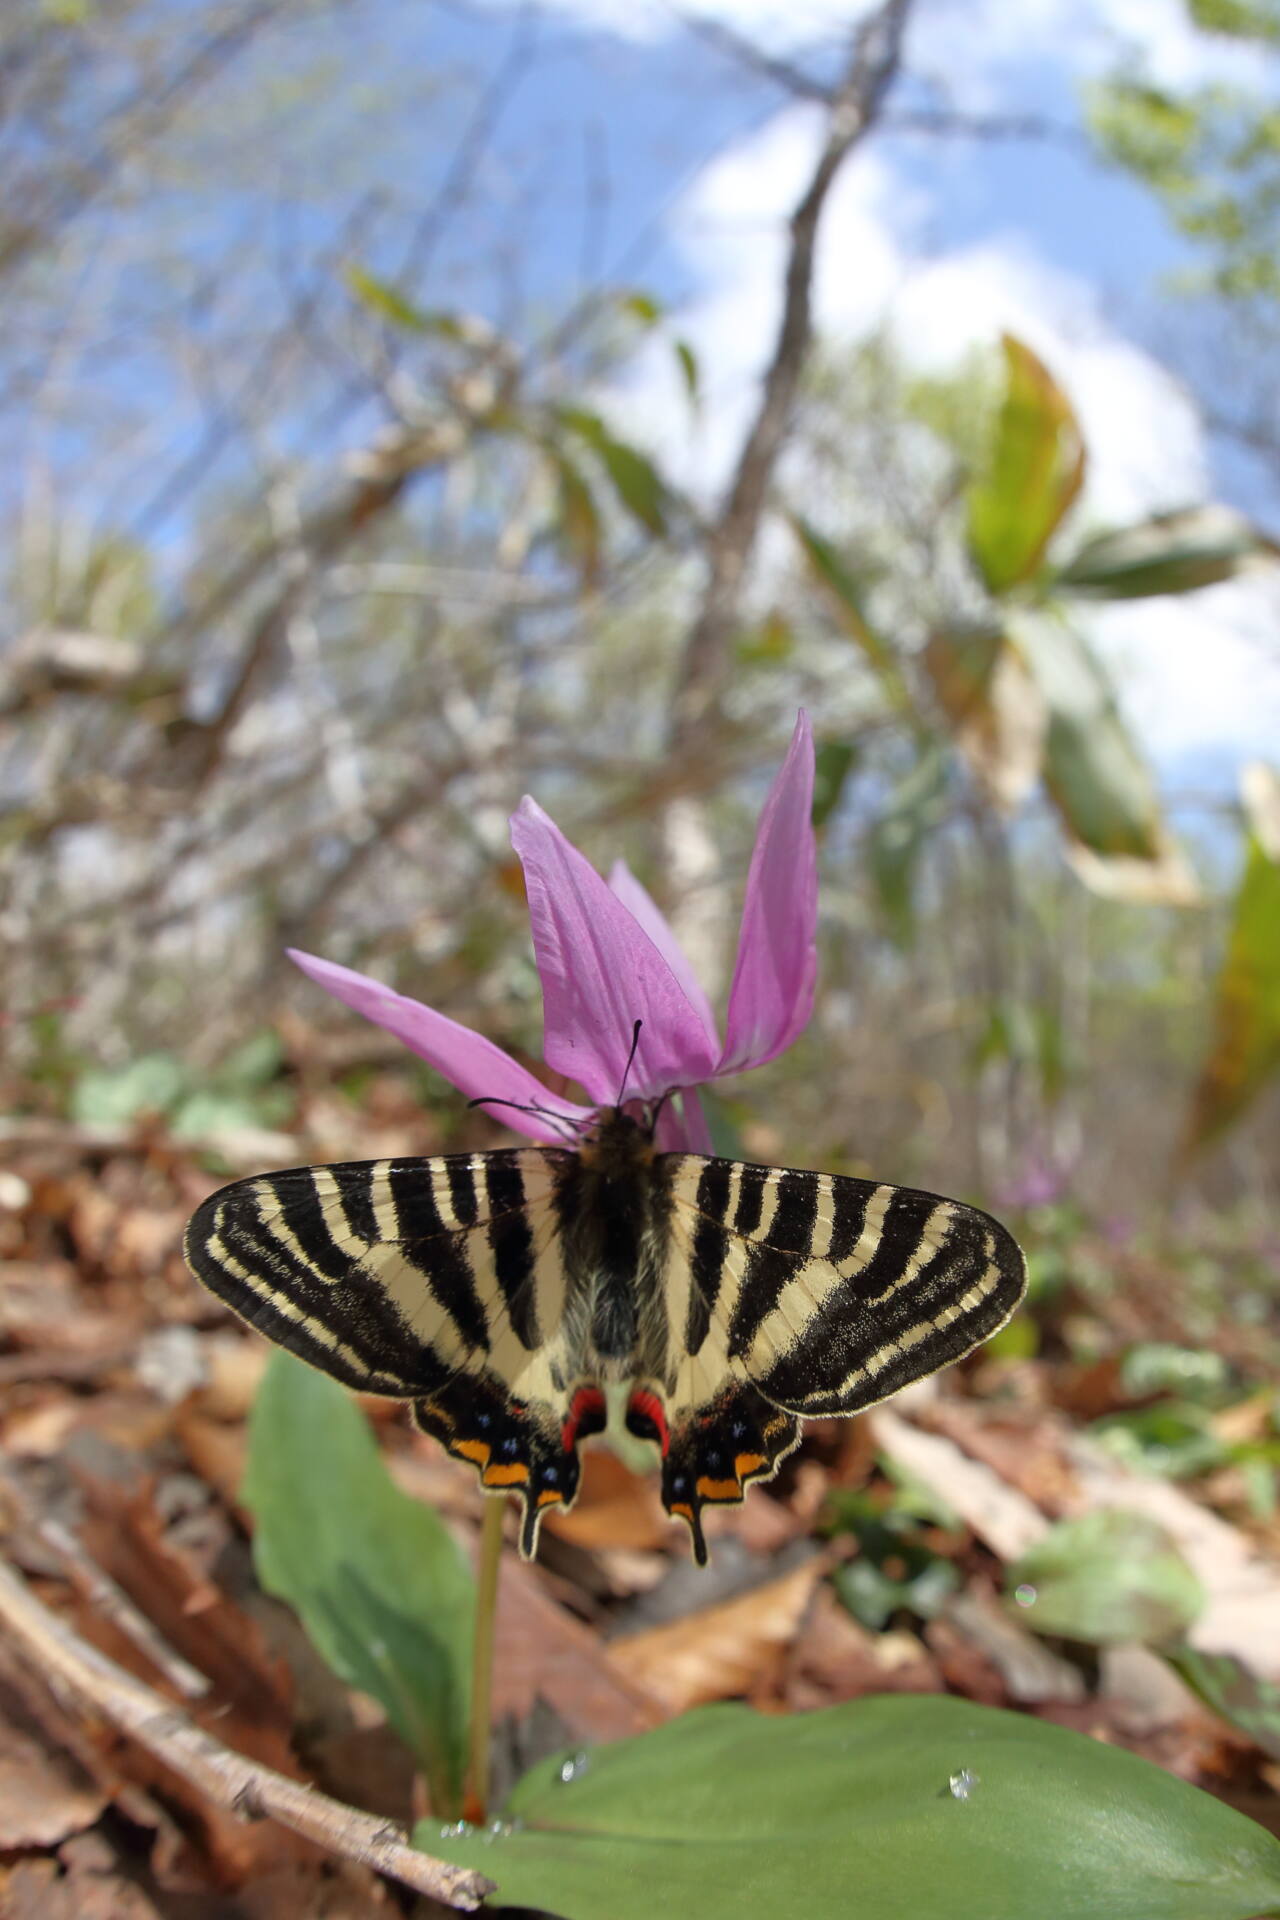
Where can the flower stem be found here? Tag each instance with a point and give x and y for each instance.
(475, 1805)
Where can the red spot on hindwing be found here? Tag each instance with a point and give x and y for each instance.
(586, 1415)
(644, 1409)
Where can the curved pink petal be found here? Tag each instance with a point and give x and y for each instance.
(683, 1128)
(473, 1064)
(773, 982)
(601, 973)
(644, 908)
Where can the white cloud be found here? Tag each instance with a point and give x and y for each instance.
(1198, 677)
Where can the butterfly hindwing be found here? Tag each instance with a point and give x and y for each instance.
(798, 1293)
(433, 1280)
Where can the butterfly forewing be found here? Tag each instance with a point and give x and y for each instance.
(830, 1293)
(502, 1292)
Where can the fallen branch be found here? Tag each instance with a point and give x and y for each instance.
(100, 1590)
(68, 1665)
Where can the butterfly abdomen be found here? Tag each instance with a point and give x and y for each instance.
(614, 1204)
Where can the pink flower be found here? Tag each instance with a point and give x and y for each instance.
(607, 958)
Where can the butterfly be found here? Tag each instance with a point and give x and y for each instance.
(504, 1293)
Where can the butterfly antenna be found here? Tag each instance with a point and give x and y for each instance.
(543, 1113)
(631, 1057)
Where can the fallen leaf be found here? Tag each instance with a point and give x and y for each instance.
(723, 1652)
(542, 1651)
(835, 1658)
(44, 1796)
(614, 1508)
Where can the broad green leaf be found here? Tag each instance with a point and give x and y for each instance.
(1106, 1577)
(889, 1808)
(996, 710)
(1170, 553)
(1032, 474)
(1248, 1702)
(1244, 1054)
(844, 594)
(1095, 774)
(642, 307)
(911, 813)
(377, 1579)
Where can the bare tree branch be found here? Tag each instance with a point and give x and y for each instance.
(872, 65)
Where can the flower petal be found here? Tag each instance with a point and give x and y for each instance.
(772, 993)
(601, 973)
(682, 1125)
(474, 1065)
(644, 908)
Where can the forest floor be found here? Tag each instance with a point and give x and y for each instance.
(884, 1557)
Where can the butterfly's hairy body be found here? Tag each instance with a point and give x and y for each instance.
(613, 1200)
(502, 1292)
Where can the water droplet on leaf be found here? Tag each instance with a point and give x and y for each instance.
(457, 1830)
(573, 1768)
(962, 1783)
(1025, 1595)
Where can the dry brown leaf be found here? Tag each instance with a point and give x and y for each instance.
(542, 1651)
(725, 1651)
(614, 1508)
(44, 1795)
(836, 1659)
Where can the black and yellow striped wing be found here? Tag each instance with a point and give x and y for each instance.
(799, 1294)
(438, 1281)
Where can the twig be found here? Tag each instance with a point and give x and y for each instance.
(107, 1599)
(70, 1666)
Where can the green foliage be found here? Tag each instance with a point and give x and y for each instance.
(1032, 473)
(896, 1571)
(834, 761)
(242, 1091)
(1107, 1577)
(901, 1808)
(1244, 1054)
(1093, 771)
(377, 1579)
(1230, 1689)
(912, 811)
(632, 474)
(1212, 156)
(1170, 553)
(846, 595)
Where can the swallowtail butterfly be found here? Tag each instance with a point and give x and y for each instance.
(503, 1292)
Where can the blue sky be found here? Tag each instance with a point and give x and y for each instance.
(632, 143)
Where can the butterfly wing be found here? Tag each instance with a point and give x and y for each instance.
(438, 1281)
(796, 1293)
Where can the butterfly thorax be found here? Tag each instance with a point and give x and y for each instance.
(613, 1197)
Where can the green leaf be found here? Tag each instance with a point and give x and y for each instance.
(994, 707)
(911, 813)
(388, 303)
(845, 597)
(1244, 1054)
(834, 761)
(1170, 553)
(1250, 1703)
(113, 1096)
(1106, 1577)
(578, 517)
(687, 361)
(1033, 473)
(892, 1808)
(381, 1587)
(634, 478)
(1093, 770)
